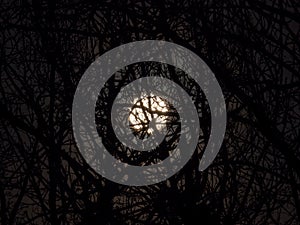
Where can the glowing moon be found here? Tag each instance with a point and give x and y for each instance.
(148, 113)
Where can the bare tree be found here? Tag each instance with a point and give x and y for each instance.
(252, 47)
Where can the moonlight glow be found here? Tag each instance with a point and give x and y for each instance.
(148, 113)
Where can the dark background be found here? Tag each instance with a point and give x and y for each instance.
(252, 46)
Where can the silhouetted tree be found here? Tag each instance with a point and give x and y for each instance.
(252, 46)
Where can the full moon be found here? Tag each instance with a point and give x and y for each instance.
(147, 114)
